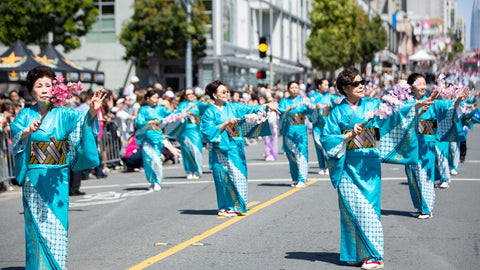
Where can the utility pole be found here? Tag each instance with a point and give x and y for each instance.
(188, 56)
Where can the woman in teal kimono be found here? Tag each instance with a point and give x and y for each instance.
(47, 143)
(191, 139)
(219, 126)
(293, 113)
(433, 119)
(150, 135)
(323, 101)
(355, 170)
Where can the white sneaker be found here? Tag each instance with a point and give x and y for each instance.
(425, 216)
(370, 264)
(195, 177)
(190, 177)
(444, 185)
(294, 184)
(327, 172)
(156, 187)
(322, 172)
(453, 172)
(300, 185)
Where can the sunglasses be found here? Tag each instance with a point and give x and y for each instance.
(356, 84)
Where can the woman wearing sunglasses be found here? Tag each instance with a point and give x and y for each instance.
(355, 169)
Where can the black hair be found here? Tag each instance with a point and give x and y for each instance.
(345, 77)
(290, 83)
(413, 77)
(150, 93)
(37, 73)
(212, 87)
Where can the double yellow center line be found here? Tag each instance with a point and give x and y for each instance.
(214, 230)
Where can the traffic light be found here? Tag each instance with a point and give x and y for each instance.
(59, 31)
(261, 74)
(262, 47)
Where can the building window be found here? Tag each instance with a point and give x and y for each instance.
(103, 30)
(227, 21)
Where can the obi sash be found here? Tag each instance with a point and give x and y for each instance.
(427, 127)
(51, 153)
(194, 119)
(233, 130)
(154, 126)
(366, 139)
(297, 119)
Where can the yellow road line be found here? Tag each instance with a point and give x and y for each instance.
(212, 231)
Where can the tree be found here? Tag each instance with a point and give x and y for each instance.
(158, 30)
(32, 20)
(335, 37)
(374, 37)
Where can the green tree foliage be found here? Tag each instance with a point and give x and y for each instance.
(374, 37)
(158, 29)
(32, 20)
(342, 35)
(335, 39)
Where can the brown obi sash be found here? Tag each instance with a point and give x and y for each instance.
(427, 127)
(154, 126)
(297, 119)
(232, 130)
(194, 119)
(51, 153)
(366, 139)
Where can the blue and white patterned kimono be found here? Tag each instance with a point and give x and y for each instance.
(228, 155)
(421, 176)
(150, 136)
(43, 169)
(191, 139)
(356, 174)
(318, 124)
(295, 140)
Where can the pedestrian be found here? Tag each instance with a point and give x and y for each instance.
(149, 134)
(421, 176)
(293, 112)
(44, 172)
(219, 126)
(190, 139)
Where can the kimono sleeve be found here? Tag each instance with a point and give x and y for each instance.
(209, 128)
(332, 141)
(20, 149)
(83, 146)
(142, 125)
(449, 126)
(398, 138)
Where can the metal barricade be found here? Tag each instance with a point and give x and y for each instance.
(7, 160)
(110, 143)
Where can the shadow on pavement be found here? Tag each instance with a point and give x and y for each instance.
(199, 212)
(395, 212)
(14, 268)
(274, 184)
(329, 257)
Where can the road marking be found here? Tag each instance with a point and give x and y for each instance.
(212, 231)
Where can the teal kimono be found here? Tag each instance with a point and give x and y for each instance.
(318, 122)
(295, 140)
(356, 173)
(150, 136)
(191, 139)
(439, 122)
(229, 164)
(66, 139)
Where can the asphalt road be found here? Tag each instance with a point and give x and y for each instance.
(121, 225)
